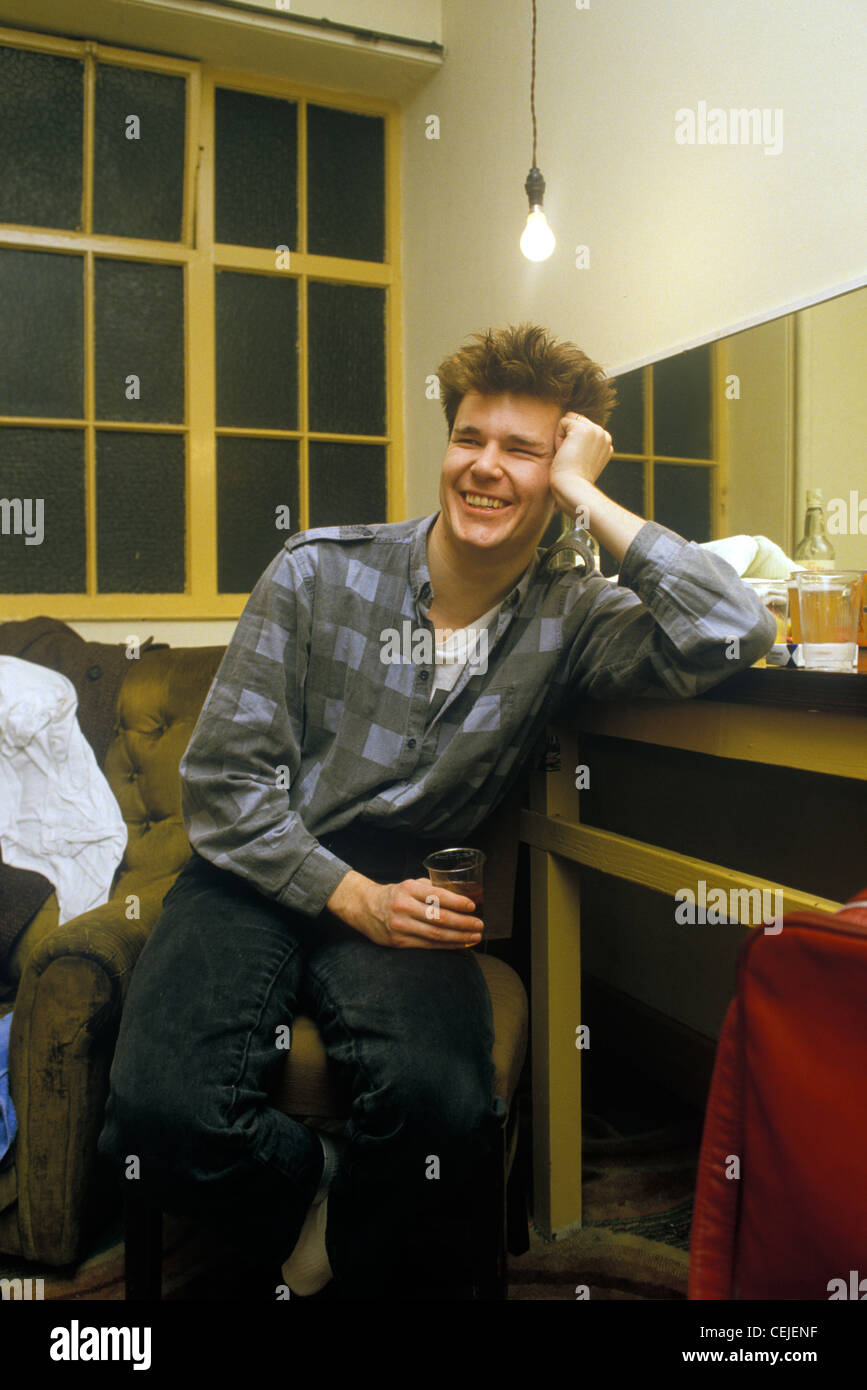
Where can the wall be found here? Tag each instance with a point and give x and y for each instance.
(686, 242)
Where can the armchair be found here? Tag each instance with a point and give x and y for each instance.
(71, 983)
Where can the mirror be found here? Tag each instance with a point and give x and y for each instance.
(800, 422)
(725, 439)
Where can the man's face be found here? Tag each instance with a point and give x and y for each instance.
(494, 488)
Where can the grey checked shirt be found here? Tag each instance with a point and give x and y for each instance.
(306, 730)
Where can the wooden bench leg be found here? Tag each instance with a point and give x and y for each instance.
(143, 1249)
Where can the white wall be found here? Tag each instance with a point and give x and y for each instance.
(686, 242)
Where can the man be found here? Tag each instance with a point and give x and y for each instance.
(318, 774)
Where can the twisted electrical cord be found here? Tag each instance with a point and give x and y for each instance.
(533, 84)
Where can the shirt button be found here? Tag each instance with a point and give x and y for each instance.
(423, 675)
(410, 743)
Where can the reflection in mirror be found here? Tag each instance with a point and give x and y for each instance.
(726, 438)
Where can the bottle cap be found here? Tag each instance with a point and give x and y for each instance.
(814, 497)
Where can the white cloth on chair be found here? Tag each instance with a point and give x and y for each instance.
(754, 557)
(58, 815)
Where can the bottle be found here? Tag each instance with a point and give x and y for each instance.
(814, 551)
(592, 545)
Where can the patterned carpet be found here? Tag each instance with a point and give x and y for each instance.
(637, 1193)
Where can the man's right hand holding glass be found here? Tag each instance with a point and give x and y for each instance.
(399, 914)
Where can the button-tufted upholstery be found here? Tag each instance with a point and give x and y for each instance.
(159, 704)
(72, 980)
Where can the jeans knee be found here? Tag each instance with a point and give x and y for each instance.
(156, 1133)
(448, 1105)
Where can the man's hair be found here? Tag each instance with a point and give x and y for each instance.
(527, 361)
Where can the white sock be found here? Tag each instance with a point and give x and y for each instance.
(307, 1269)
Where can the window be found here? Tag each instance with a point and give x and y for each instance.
(198, 301)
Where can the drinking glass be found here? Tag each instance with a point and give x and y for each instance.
(775, 596)
(460, 870)
(829, 605)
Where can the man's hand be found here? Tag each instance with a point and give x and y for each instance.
(582, 451)
(412, 913)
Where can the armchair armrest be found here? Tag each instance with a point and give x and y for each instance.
(64, 1028)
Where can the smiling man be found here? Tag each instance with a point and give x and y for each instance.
(319, 774)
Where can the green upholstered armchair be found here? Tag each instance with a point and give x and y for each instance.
(72, 979)
(71, 982)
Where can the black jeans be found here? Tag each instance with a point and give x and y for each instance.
(197, 1058)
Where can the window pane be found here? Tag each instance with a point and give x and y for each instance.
(255, 477)
(41, 331)
(626, 424)
(681, 405)
(257, 351)
(139, 333)
(345, 184)
(623, 481)
(138, 170)
(347, 484)
(682, 499)
(347, 359)
(41, 115)
(256, 194)
(48, 466)
(140, 513)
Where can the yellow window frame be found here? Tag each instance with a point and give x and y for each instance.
(201, 258)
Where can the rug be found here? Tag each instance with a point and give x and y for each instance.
(637, 1195)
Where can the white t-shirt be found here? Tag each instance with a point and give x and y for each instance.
(461, 646)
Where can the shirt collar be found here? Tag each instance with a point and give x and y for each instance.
(419, 575)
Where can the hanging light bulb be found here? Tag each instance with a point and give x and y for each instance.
(537, 240)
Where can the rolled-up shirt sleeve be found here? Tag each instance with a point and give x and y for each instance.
(694, 625)
(245, 751)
